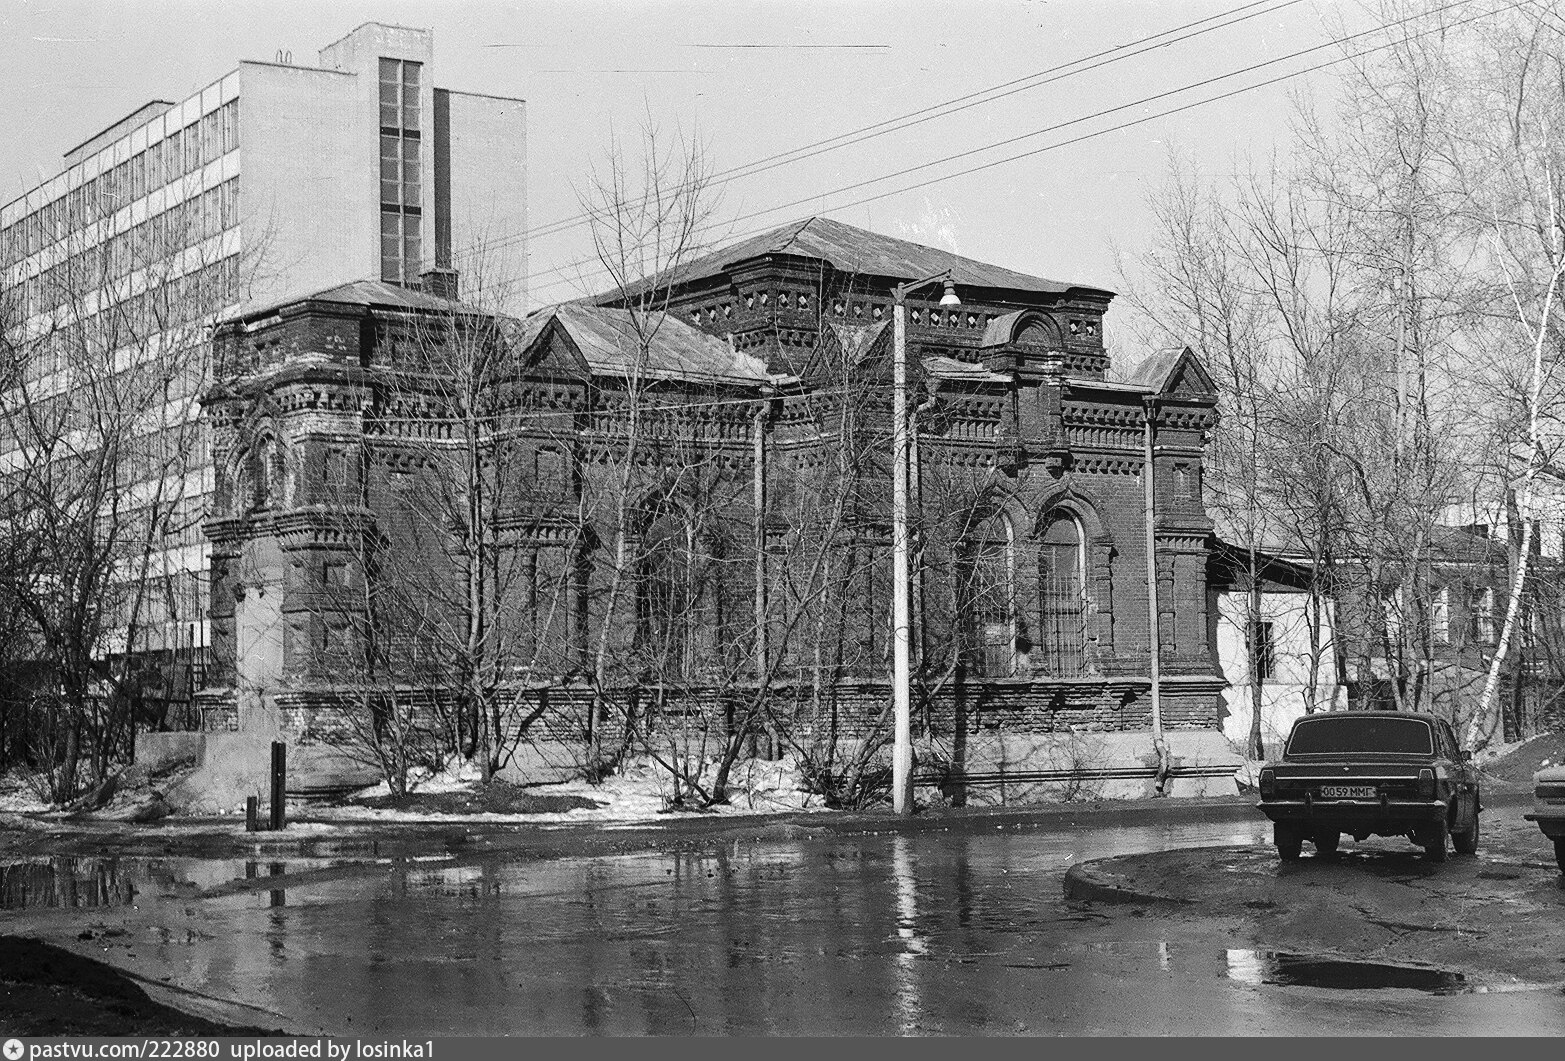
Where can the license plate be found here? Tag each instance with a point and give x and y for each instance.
(1347, 791)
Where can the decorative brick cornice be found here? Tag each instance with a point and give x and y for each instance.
(323, 527)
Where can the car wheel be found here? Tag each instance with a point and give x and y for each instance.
(1559, 852)
(1434, 840)
(1466, 840)
(1289, 842)
(1326, 843)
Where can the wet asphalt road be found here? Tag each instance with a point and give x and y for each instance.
(941, 932)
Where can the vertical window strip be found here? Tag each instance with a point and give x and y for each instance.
(391, 247)
(401, 188)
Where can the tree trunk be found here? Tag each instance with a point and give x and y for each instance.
(1257, 747)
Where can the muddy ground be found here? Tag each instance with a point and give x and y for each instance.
(1498, 915)
(49, 991)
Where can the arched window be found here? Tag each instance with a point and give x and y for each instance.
(268, 472)
(664, 603)
(988, 598)
(1062, 595)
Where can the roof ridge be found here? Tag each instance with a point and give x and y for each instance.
(799, 227)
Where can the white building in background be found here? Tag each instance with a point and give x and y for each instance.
(1281, 631)
(274, 181)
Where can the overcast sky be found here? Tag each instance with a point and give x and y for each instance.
(752, 79)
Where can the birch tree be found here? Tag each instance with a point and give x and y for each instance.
(1513, 169)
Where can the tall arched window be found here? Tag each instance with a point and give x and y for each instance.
(683, 630)
(988, 599)
(665, 596)
(1063, 623)
(268, 474)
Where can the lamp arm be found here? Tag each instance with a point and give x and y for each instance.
(901, 291)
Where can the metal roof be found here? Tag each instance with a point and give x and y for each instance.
(1153, 372)
(951, 368)
(852, 250)
(856, 340)
(380, 293)
(609, 341)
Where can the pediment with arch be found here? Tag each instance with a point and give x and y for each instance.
(1029, 329)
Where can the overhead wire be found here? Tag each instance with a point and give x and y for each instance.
(1335, 42)
(955, 105)
(685, 407)
(1129, 124)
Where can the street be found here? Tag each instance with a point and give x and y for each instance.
(937, 932)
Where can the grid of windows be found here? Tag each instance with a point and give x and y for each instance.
(155, 240)
(401, 190)
(399, 184)
(181, 152)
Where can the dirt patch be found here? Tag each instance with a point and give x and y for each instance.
(1546, 749)
(1496, 917)
(497, 797)
(48, 991)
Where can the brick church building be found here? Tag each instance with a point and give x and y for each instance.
(666, 512)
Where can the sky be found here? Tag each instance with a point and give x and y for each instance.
(750, 79)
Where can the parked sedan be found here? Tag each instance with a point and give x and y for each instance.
(1372, 773)
(1548, 808)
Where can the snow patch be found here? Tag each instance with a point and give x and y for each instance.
(638, 793)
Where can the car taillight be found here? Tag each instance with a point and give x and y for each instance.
(1426, 783)
(1268, 783)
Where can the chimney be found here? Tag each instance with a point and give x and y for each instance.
(440, 281)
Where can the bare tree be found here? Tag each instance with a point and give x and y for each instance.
(1511, 168)
(105, 355)
(649, 207)
(1206, 282)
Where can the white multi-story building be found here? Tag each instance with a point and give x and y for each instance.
(274, 181)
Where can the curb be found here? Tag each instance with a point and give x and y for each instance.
(1085, 883)
(219, 837)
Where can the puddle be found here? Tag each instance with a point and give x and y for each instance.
(61, 882)
(1266, 967)
(68, 883)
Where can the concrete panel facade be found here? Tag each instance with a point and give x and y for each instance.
(309, 195)
(488, 199)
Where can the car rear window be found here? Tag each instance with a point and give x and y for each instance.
(1346, 733)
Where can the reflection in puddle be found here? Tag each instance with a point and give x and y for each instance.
(63, 882)
(66, 882)
(1260, 967)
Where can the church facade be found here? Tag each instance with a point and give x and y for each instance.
(667, 510)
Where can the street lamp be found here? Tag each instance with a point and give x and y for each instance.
(901, 639)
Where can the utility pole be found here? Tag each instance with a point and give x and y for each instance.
(1154, 619)
(901, 625)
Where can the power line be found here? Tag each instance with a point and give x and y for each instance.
(559, 270)
(937, 110)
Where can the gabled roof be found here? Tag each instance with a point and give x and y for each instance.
(1174, 373)
(857, 340)
(853, 250)
(844, 348)
(607, 340)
